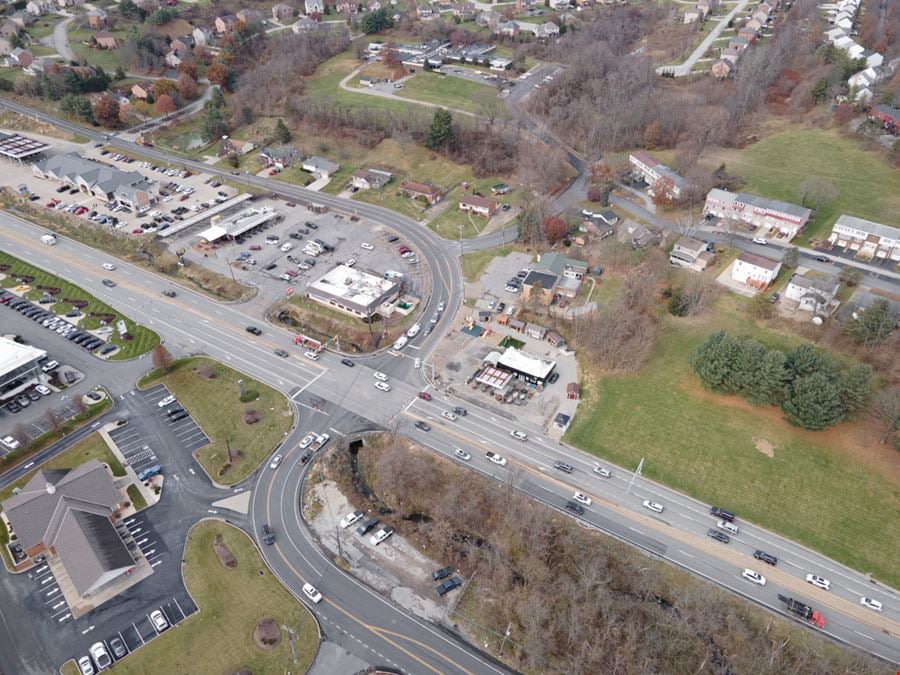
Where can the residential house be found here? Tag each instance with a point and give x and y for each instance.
(835, 33)
(559, 5)
(142, 90)
(844, 22)
(523, 6)
(22, 19)
(282, 12)
(464, 10)
(183, 44)
(40, 7)
(97, 18)
(430, 193)
(480, 206)
(634, 234)
(607, 216)
(370, 179)
(71, 514)
(426, 13)
(707, 6)
(691, 253)
(8, 31)
(863, 79)
(812, 294)
(249, 17)
(660, 178)
(560, 265)
(769, 214)
(887, 115)
(314, 7)
(760, 16)
(868, 239)
(500, 189)
(105, 39)
(232, 146)
(755, 270)
(722, 68)
(345, 7)
(864, 95)
(202, 36)
(19, 58)
(692, 15)
(547, 30)
(225, 23)
(320, 167)
(304, 25)
(373, 5)
(873, 59)
(738, 43)
(489, 18)
(279, 158)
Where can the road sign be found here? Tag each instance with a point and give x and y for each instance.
(289, 291)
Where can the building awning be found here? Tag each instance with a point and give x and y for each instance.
(213, 233)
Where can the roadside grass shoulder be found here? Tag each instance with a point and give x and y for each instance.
(474, 264)
(814, 490)
(231, 602)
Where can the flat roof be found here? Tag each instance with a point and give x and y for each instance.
(13, 355)
(519, 361)
(204, 215)
(238, 224)
(15, 146)
(352, 285)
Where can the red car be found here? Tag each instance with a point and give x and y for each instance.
(424, 395)
(80, 211)
(256, 247)
(137, 231)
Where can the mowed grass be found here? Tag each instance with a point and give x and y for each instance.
(777, 166)
(444, 90)
(814, 490)
(107, 58)
(215, 405)
(448, 222)
(142, 339)
(474, 264)
(219, 638)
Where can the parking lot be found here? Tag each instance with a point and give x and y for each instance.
(47, 595)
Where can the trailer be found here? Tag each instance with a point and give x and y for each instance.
(804, 611)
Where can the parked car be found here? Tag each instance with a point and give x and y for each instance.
(85, 665)
(381, 535)
(448, 586)
(350, 519)
(160, 622)
(100, 655)
(366, 526)
(442, 573)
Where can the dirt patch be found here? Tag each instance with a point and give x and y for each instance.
(251, 416)
(764, 446)
(267, 634)
(226, 557)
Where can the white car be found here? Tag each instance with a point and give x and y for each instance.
(85, 665)
(109, 266)
(583, 498)
(42, 390)
(310, 592)
(499, 460)
(381, 535)
(286, 246)
(600, 471)
(168, 400)
(367, 246)
(462, 454)
(276, 460)
(819, 582)
(313, 356)
(47, 367)
(760, 241)
(351, 262)
(518, 435)
(382, 386)
(9, 443)
(871, 603)
(350, 518)
(653, 506)
(755, 577)
(160, 622)
(727, 526)
(380, 376)
(417, 363)
(449, 415)
(100, 655)
(307, 440)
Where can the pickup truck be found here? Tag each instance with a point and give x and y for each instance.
(320, 442)
(495, 458)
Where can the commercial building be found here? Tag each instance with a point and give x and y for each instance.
(238, 224)
(20, 148)
(104, 182)
(770, 214)
(525, 367)
(353, 291)
(19, 368)
(868, 239)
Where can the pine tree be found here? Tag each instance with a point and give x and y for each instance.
(746, 367)
(804, 361)
(770, 379)
(813, 402)
(855, 386)
(441, 131)
(282, 133)
(714, 362)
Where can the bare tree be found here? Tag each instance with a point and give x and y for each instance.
(54, 420)
(886, 407)
(162, 358)
(816, 191)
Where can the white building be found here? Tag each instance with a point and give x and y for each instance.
(814, 295)
(868, 239)
(19, 368)
(658, 176)
(755, 270)
(352, 291)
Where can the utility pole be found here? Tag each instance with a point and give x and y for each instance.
(637, 472)
(503, 641)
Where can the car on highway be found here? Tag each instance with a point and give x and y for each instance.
(518, 435)
(381, 535)
(100, 655)
(380, 376)
(767, 558)
(109, 267)
(276, 460)
(85, 665)
(350, 519)
(382, 386)
(448, 415)
(818, 582)
(169, 293)
(871, 603)
(462, 412)
(653, 506)
(447, 586)
(310, 592)
(562, 466)
(424, 426)
(755, 577)
(311, 355)
(603, 473)
(159, 620)
(499, 460)
(582, 498)
(254, 330)
(727, 526)
(424, 395)
(718, 536)
(282, 353)
(109, 283)
(719, 512)
(575, 507)
(462, 454)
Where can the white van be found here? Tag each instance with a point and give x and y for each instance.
(730, 528)
(412, 332)
(48, 239)
(400, 342)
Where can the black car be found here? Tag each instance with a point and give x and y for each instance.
(765, 557)
(304, 458)
(109, 283)
(282, 353)
(718, 536)
(348, 363)
(268, 534)
(254, 330)
(366, 526)
(719, 512)
(118, 648)
(13, 407)
(92, 344)
(270, 267)
(169, 293)
(74, 334)
(562, 466)
(33, 395)
(84, 337)
(180, 416)
(295, 235)
(442, 573)
(553, 378)
(393, 238)
(823, 259)
(312, 226)
(424, 426)
(175, 411)
(448, 586)
(108, 348)
(462, 412)
(575, 507)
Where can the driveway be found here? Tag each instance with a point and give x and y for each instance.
(685, 68)
(61, 39)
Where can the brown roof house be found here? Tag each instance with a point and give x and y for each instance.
(480, 206)
(690, 253)
(430, 193)
(722, 69)
(19, 58)
(225, 23)
(97, 18)
(142, 90)
(71, 513)
(105, 39)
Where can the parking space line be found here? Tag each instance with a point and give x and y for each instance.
(177, 604)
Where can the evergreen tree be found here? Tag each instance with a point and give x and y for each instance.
(820, 90)
(769, 380)
(804, 361)
(791, 258)
(813, 402)
(217, 98)
(714, 362)
(855, 386)
(746, 367)
(441, 132)
(212, 126)
(282, 133)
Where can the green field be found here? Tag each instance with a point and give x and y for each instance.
(814, 490)
(43, 26)
(142, 339)
(219, 638)
(777, 166)
(447, 222)
(452, 92)
(214, 404)
(107, 58)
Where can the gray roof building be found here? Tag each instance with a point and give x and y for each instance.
(106, 182)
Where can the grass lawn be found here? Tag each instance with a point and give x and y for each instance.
(214, 404)
(448, 221)
(452, 92)
(231, 602)
(474, 264)
(143, 339)
(43, 26)
(827, 490)
(183, 138)
(137, 499)
(70, 668)
(107, 58)
(777, 166)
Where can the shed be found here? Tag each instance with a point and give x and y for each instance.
(573, 391)
(536, 331)
(516, 325)
(555, 339)
(484, 316)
